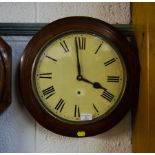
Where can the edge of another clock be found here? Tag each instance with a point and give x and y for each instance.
(6, 55)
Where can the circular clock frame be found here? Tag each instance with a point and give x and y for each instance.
(55, 29)
(5, 75)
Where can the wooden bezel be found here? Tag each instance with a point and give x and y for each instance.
(5, 75)
(71, 24)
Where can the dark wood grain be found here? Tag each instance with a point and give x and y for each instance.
(5, 75)
(74, 24)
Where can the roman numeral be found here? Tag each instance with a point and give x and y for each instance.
(45, 75)
(51, 58)
(108, 96)
(60, 105)
(95, 108)
(48, 92)
(77, 111)
(113, 79)
(109, 61)
(64, 46)
(81, 41)
(98, 48)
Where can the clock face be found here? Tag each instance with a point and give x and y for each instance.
(79, 77)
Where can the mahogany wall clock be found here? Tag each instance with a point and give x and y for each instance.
(5, 75)
(79, 76)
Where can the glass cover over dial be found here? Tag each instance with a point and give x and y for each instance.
(79, 77)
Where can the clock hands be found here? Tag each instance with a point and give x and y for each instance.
(77, 54)
(96, 85)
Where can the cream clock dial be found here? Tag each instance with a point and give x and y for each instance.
(79, 77)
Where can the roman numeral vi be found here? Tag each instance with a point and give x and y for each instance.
(77, 111)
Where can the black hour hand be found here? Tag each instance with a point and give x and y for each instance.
(96, 85)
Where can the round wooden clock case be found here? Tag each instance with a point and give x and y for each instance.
(5, 75)
(79, 76)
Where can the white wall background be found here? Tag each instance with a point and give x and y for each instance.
(18, 130)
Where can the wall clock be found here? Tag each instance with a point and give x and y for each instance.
(79, 76)
(5, 75)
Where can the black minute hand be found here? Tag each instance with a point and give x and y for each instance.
(77, 55)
